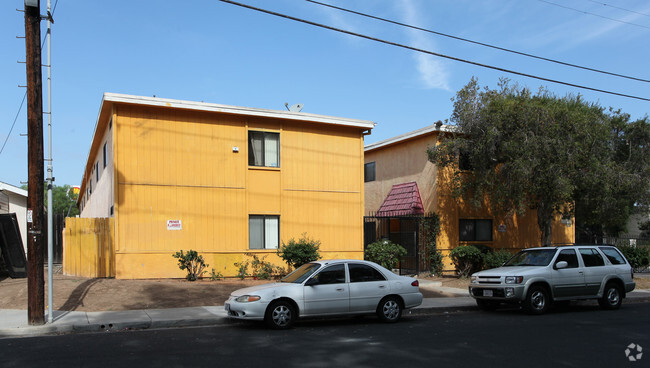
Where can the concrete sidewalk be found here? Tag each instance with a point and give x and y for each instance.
(13, 323)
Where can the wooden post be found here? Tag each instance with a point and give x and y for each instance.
(36, 173)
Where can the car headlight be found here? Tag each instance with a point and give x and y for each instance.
(247, 298)
(474, 279)
(514, 279)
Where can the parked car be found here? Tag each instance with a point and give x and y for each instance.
(537, 277)
(327, 288)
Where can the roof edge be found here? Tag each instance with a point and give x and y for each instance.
(410, 135)
(238, 110)
(13, 189)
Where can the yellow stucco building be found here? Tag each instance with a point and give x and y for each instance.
(221, 180)
(401, 163)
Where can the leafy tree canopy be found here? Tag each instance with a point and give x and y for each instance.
(536, 151)
(64, 201)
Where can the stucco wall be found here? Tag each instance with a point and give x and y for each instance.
(98, 203)
(402, 163)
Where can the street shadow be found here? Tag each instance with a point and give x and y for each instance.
(560, 308)
(76, 298)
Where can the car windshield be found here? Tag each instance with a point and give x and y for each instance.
(301, 274)
(541, 257)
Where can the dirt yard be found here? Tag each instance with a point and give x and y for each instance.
(92, 295)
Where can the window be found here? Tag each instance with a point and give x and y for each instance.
(591, 257)
(569, 256)
(369, 172)
(97, 171)
(364, 273)
(613, 255)
(104, 155)
(331, 275)
(264, 232)
(263, 149)
(475, 230)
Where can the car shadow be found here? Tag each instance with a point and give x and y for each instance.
(322, 322)
(572, 307)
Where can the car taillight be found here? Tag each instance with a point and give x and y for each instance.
(415, 283)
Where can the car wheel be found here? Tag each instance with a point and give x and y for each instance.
(389, 309)
(612, 297)
(537, 300)
(487, 305)
(280, 315)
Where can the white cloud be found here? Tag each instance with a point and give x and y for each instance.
(432, 71)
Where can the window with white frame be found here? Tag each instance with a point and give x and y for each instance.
(263, 231)
(263, 149)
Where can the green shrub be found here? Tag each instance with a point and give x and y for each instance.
(639, 257)
(496, 258)
(385, 253)
(192, 262)
(467, 259)
(436, 263)
(261, 269)
(264, 270)
(297, 253)
(215, 276)
(242, 268)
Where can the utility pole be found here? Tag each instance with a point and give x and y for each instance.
(50, 178)
(35, 276)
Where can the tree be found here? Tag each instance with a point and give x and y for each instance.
(605, 203)
(64, 201)
(538, 152)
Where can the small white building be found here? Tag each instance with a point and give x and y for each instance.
(14, 200)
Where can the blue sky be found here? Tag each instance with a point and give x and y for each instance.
(216, 52)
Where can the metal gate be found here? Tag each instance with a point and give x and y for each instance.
(402, 230)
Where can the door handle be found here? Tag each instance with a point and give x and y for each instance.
(382, 286)
(339, 289)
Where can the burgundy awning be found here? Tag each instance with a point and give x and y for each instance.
(402, 200)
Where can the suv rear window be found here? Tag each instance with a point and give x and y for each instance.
(591, 257)
(613, 255)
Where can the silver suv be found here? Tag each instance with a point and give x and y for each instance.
(537, 277)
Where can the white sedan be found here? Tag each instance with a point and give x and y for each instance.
(327, 288)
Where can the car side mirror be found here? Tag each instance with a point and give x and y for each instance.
(311, 282)
(560, 265)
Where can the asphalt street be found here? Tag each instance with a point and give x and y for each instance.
(576, 336)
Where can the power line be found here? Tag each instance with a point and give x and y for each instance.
(12, 125)
(25, 96)
(480, 43)
(619, 8)
(594, 14)
(430, 52)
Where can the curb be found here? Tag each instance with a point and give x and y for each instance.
(85, 322)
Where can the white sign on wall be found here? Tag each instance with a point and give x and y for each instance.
(174, 225)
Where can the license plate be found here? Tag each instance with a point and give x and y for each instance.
(227, 307)
(488, 293)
